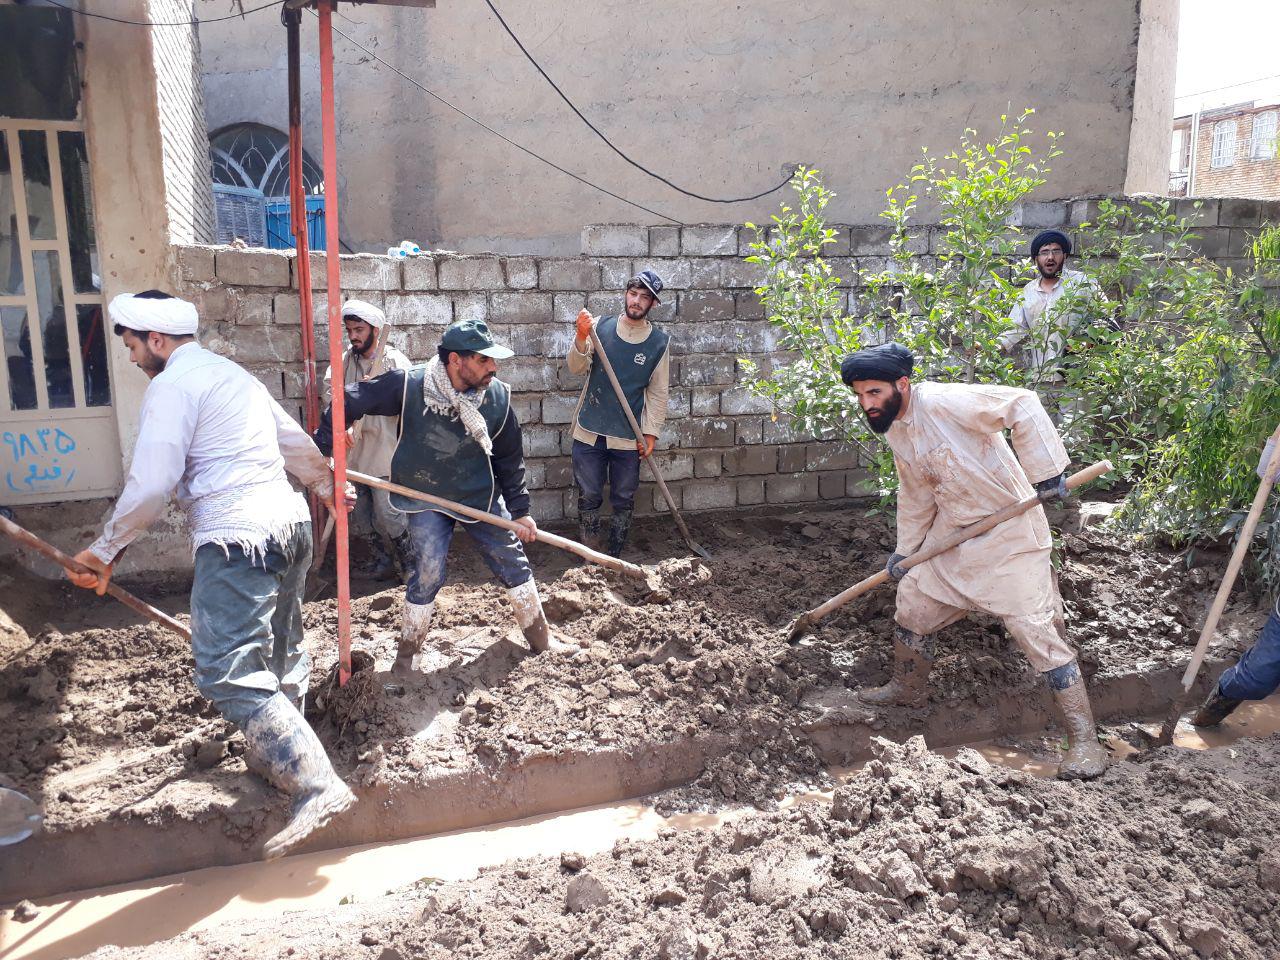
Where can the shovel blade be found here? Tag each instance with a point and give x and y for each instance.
(19, 817)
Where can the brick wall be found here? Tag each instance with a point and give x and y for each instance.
(183, 140)
(1247, 176)
(721, 447)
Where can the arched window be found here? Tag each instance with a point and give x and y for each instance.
(1264, 136)
(249, 165)
(1224, 144)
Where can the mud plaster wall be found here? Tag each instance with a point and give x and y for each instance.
(720, 97)
(721, 448)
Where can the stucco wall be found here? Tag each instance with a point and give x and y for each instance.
(720, 97)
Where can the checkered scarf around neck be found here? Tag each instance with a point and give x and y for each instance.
(439, 394)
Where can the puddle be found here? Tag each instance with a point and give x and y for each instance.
(140, 913)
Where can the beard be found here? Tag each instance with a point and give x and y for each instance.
(635, 313)
(152, 364)
(881, 419)
(1050, 275)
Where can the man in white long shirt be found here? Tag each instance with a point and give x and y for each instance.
(1039, 325)
(372, 441)
(956, 468)
(211, 430)
(604, 444)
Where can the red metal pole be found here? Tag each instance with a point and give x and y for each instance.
(333, 289)
(301, 243)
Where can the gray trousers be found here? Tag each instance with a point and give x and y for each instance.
(373, 513)
(246, 623)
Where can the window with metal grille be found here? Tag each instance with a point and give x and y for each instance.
(1263, 146)
(249, 163)
(1224, 143)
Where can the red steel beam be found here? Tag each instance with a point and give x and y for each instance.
(333, 288)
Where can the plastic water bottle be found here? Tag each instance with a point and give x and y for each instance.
(396, 253)
(410, 248)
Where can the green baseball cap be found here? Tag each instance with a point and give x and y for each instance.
(473, 336)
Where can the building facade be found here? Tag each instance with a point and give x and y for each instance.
(1231, 151)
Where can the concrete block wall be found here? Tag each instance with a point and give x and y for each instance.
(722, 447)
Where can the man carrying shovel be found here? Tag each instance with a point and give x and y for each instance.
(212, 430)
(460, 440)
(604, 444)
(955, 468)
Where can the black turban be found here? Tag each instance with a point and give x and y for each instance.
(1051, 236)
(887, 362)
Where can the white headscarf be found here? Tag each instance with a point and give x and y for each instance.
(366, 312)
(175, 317)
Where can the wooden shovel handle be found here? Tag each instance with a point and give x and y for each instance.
(960, 536)
(613, 563)
(1233, 567)
(29, 539)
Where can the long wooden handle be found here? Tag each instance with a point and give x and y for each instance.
(613, 563)
(635, 426)
(29, 539)
(1233, 567)
(957, 538)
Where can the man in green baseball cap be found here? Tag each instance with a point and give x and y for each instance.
(459, 439)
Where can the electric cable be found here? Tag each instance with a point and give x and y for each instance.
(555, 166)
(177, 23)
(596, 130)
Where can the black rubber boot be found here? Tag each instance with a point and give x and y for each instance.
(1215, 709)
(380, 566)
(619, 531)
(280, 744)
(403, 547)
(589, 527)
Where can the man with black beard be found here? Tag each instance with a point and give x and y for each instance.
(372, 441)
(955, 467)
(1036, 317)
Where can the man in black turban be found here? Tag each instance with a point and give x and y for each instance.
(889, 366)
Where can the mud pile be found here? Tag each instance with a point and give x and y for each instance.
(916, 856)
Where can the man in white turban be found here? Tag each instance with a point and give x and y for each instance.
(212, 431)
(372, 440)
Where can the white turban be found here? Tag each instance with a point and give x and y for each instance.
(364, 311)
(175, 317)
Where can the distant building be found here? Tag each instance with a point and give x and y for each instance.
(1230, 151)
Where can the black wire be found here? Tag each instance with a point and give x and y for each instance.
(177, 23)
(596, 130)
(569, 173)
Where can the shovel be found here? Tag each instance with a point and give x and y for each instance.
(807, 620)
(19, 817)
(315, 586)
(1224, 592)
(653, 467)
(564, 543)
(29, 539)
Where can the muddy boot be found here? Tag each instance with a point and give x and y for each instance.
(380, 565)
(1086, 758)
(415, 624)
(403, 556)
(589, 527)
(1215, 709)
(528, 609)
(619, 531)
(912, 661)
(287, 750)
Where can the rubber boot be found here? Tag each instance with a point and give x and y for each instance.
(528, 609)
(403, 553)
(1215, 709)
(415, 625)
(292, 758)
(380, 566)
(1086, 758)
(589, 527)
(619, 531)
(912, 661)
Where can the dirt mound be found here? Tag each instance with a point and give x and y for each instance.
(916, 857)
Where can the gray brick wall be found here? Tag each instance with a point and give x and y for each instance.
(722, 447)
(184, 142)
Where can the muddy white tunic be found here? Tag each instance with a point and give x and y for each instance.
(955, 467)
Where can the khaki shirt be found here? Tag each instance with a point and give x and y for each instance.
(654, 414)
(376, 437)
(955, 467)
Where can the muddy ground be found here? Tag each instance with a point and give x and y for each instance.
(916, 857)
(104, 721)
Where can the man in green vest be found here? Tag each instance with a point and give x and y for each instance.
(459, 439)
(604, 443)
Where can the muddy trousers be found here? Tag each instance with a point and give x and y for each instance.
(593, 465)
(374, 513)
(246, 623)
(1041, 636)
(1256, 675)
(430, 534)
